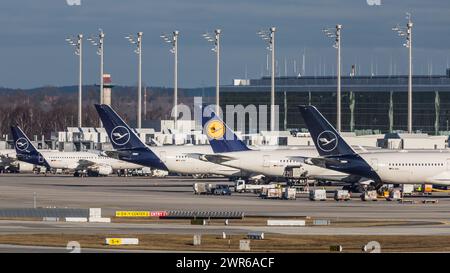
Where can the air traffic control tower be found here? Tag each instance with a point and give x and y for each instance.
(107, 87)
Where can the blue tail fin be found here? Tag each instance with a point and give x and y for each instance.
(25, 150)
(327, 140)
(125, 140)
(22, 143)
(221, 138)
(121, 135)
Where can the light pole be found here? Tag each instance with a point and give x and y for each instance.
(336, 35)
(98, 42)
(407, 33)
(77, 43)
(173, 41)
(269, 36)
(138, 42)
(216, 40)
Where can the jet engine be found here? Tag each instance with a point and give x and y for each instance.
(103, 170)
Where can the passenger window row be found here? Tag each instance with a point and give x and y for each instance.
(415, 164)
(287, 161)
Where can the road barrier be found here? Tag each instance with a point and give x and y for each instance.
(178, 214)
(77, 219)
(321, 222)
(42, 212)
(286, 222)
(50, 219)
(175, 214)
(99, 220)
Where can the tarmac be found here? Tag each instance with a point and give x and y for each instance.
(175, 193)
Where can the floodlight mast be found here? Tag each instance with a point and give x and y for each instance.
(77, 43)
(98, 42)
(138, 51)
(269, 36)
(336, 35)
(407, 33)
(173, 41)
(216, 49)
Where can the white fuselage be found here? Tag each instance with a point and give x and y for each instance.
(78, 160)
(273, 163)
(411, 167)
(177, 160)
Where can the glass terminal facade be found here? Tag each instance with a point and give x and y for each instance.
(370, 104)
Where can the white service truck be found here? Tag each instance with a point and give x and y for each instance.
(241, 186)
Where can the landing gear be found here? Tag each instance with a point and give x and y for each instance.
(91, 173)
(199, 176)
(80, 174)
(356, 188)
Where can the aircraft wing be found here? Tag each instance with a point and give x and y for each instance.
(6, 160)
(322, 161)
(214, 158)
(100, 168)
(112, 154)
(84, 164)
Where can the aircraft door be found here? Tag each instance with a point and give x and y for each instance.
(374, 164)
(266, 161)
(162, 156)
(448, 164)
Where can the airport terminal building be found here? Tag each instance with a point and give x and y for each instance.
(370, 104)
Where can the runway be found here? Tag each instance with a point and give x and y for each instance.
(31, 227)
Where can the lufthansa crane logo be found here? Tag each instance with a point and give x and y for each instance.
(120, 135)
(22, 144)
(215, 129)
(327, 141)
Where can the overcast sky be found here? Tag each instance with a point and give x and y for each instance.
(33, 51)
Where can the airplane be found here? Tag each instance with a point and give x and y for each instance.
(8, 160)
(129, 147)
(231, 151)
(80, 162)
(381, 167)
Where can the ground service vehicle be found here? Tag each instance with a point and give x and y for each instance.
(241, 185)
(318, 195)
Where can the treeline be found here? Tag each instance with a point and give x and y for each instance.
(44, 110)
